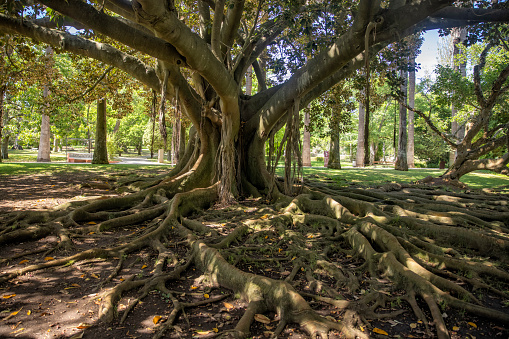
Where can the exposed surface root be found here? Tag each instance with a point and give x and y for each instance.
(329, 260)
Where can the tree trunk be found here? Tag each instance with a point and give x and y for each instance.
(306, 140)
(360, 137)
(5, 147)
(401, 160)
(56, 144)
(2, 93)
(411, 103)
(459, 35)
(153, 119)
(43, 154)
(334, 151)
(100, 150)
(89, 141)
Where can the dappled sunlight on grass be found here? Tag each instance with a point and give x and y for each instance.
(42, 168)
(380, 176)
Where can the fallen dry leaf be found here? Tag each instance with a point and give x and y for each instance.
(228, 306)
(206, 296)
(12, 314)
(144, 266)
(215, 329)
(7, 296)
(455, 328)
(23, 261)
(262, 319)
(77, 336)
(380, 331)
(194, 287)
(156, 319)
(82, 326)
(203, 332)
(49, 258)
(92, 223)
(472, 324)
(29, 312)
(93, 275)
(413, 325)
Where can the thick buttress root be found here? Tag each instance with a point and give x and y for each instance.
(351, 252)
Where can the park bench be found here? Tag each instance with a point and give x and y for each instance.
(79, 157)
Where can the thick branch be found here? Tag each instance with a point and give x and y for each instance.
(342, 51)
(116, 29)
(83, 47)
(231, 24)
(196, 51)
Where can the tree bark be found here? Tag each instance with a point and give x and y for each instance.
(411, 103)
(459, 35)
(5, 147)
(306, 140)
(100, 151)
(401, 160)
(2, 93)
(360, 137)
(43, 154)
(334, 150)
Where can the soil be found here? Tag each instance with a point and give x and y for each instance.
(64, 302)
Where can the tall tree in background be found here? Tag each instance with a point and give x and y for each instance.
(100, 150)
(411, 118)
(401, 158)
(43, 154)
(361, 136)
(459, 65)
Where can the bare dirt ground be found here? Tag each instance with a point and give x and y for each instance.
(64, 302)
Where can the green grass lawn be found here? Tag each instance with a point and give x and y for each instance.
(27, 168)
(23, 163)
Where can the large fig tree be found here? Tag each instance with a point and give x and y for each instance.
(199, 51)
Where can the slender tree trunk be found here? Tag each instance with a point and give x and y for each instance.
(459, 35)
(5, 147)
(411, 103)
(89, 141)
(2, 93)
(360, 137)
(334, 150)
(100, 150)
(306, 140)
(56, 144)
(401, 160)
(154, 103)
(43, 154)
(162, 114)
